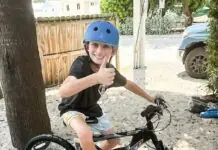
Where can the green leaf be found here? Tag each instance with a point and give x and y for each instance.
(118, 7)
(212, 49)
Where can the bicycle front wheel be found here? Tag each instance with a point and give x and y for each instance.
(48, 142)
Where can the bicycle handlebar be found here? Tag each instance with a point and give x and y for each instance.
(151, 111)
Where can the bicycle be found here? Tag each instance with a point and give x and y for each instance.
(139, 135)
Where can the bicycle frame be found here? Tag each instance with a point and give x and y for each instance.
(139, 137)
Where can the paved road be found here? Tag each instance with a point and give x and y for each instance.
(165, 45)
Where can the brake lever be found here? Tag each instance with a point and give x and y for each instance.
(160, 113)
(163, 106)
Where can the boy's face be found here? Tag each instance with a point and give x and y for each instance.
(97, 52)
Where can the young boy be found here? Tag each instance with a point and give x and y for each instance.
(80, 90)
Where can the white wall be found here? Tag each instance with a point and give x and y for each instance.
(67, 8)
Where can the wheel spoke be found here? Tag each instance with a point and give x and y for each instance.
(199, 64)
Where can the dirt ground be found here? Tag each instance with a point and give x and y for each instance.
(164, 75)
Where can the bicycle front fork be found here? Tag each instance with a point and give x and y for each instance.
(159, 145)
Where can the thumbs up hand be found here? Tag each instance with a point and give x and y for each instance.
(105, 75)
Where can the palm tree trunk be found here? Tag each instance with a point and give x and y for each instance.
(20, 70)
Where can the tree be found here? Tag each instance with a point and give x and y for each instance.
(212, 49)
(154, 4)
(121, 8)
(20, 72)
(124, 8)
(190, 6)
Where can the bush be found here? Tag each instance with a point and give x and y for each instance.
(212, 49)
(126, 28)
(163, 25)
(155, 24)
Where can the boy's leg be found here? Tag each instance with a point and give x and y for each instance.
(76, 121)
(109, 144)
(105, 127)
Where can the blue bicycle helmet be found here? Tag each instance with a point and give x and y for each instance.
(103, 32)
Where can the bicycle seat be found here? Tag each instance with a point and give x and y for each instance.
(91, 120)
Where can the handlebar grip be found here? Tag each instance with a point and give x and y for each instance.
(151, 110)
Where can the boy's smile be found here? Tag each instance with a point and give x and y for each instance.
(97, 57)
(98, 51)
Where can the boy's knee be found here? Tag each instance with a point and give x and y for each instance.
(85, 136)
(86, 139)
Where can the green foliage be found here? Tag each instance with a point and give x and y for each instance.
(154, 5)
(156, 24)
(194, 5)
(188, 7)
(124, 8)
(212, 50)
(126, 27)
(121, 8)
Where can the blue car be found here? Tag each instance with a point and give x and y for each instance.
(193, 50)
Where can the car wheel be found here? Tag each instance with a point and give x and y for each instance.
(196, 63)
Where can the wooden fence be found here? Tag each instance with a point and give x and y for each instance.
(60, 42)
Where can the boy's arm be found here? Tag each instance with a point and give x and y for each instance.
(131, 86)
(72, 85)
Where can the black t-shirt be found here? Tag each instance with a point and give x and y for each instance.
(86, 100)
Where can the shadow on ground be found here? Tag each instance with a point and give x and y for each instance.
(183, 75)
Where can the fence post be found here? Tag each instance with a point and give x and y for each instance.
(116, 19)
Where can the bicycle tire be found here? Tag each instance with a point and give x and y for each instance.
(47, 139)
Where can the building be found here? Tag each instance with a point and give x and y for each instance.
(66, 8)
